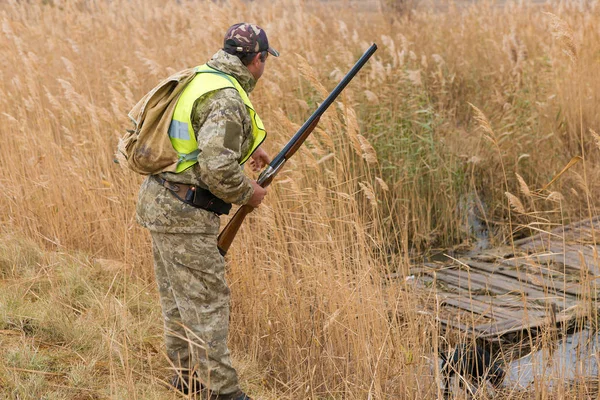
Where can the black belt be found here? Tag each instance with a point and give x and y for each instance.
(195, 196)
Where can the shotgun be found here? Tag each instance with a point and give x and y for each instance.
(266, 177)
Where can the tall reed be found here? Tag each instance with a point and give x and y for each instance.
(380, 181)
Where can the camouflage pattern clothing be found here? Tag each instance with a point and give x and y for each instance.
(189, 269)
(195, 302)
(248, 38)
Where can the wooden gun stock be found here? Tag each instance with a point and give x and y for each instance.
(228, 233)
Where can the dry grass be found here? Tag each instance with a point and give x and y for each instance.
(380, 179)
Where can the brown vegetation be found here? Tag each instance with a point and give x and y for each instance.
(489, 100)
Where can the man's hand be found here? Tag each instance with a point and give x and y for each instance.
(258, 195)
(260, 158)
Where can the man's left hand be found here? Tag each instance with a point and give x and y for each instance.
(260, 158)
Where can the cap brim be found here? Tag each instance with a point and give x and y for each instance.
(273, 52)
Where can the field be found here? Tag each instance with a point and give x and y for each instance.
(473, 109)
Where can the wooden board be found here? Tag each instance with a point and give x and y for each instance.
(497, 292)
(539, 276)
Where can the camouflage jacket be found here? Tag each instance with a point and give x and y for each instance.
(224, 134)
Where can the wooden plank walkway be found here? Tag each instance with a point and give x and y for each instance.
(542, 282)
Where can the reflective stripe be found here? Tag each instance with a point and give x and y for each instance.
(179, 130)
(193, 156)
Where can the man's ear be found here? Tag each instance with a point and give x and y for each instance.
(256, 60)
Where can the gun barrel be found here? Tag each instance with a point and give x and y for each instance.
(325, 105)
(228, 233)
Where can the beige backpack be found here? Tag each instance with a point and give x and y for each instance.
(147, 149)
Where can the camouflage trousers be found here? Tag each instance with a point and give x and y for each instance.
(195, 299)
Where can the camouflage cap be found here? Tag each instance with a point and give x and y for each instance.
(247, 38)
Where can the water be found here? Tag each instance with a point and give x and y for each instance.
(574, 356)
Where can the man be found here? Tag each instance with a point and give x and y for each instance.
(214, 129)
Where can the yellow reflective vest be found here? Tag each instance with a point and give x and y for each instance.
(181, 131)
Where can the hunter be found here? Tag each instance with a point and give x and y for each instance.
(214, 130)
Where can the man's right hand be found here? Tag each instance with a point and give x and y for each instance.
(258, 195)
